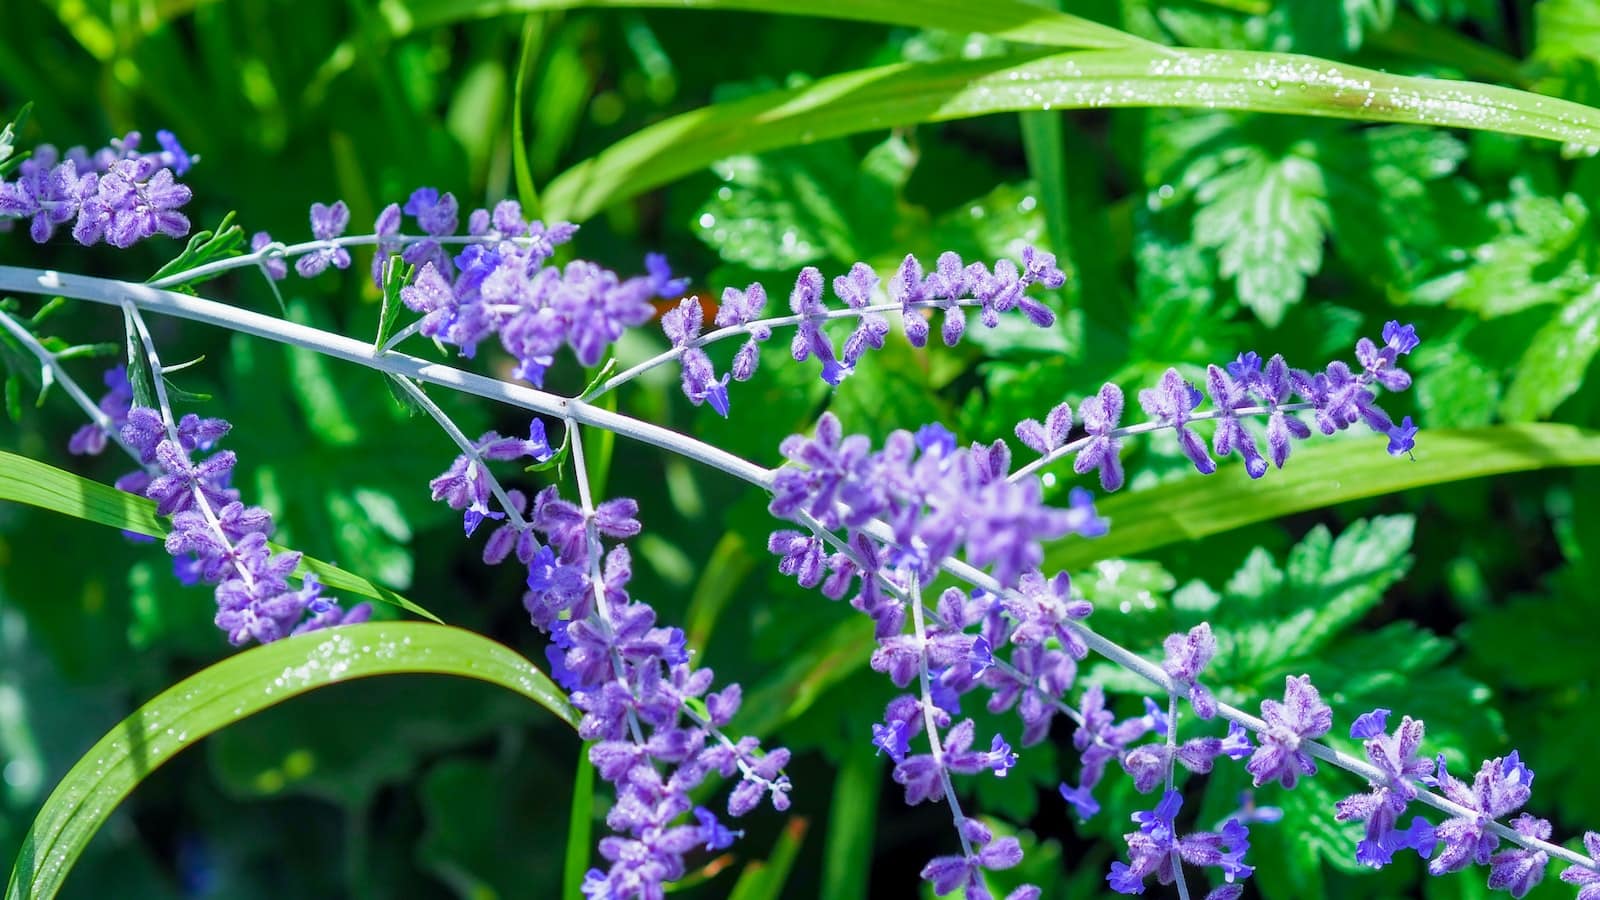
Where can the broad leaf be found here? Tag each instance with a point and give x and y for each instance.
(236, 688)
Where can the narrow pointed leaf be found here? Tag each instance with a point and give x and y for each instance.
(241, 686)
(908, 93)
(1010, 19)
(24, 480)
(1316, 476)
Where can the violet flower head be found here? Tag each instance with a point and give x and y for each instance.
(1155, 849)
(935, 502)
(1170, 403)
(1302, 716)
(1402, 438)
(1186, 656)
(1519, 870)
(115, 194)
(682, 326)
(1395, 755)
(1587, 879)
(327, 223)
(1501, 787)
(116, 403)
(1101, 415)
(661, 281)
(273, 266)
(221, 541)
(947, 873)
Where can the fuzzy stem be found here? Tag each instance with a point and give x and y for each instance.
(929, 723)
(467, 447)
(67, 382)
(136, 321)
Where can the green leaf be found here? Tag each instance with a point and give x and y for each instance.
(1010, 19)
(1267, 217)
(765, 879)
(24, 480)
(234, 689)
(852, 819)
(1536, 257)
(1317, 476)
(396, 275)
(580, 827)
(1327, 26)
(8, 136)
(532, 40)
(226, 241)
(1272, 618)
(1556, 361)
(907, 93)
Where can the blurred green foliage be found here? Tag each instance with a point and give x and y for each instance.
(1190, 235)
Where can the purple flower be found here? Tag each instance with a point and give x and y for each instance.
(1170, 403)
(1402, 438)
(1187, 655)
(947, 873)
(1302, 716)
(1500, 788)
(682, 326)
(327, 223)
(1101, 414)
(1519, 870)
(275, 267)
(1156, 848)
(1588, 879)
(661, 281)
(1395, 756)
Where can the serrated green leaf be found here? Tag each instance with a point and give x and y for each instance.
(1328, 26)
(1397, 215)
(778, 213)
(1537, 257)
(1317, 476)
(1272, 619)
(1557, 360)
(889, 96)
(237, 688)
(24, 480)
(1267, 218)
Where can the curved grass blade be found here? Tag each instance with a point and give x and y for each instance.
(1010, 19)
(29, 481)
(908, 93)
(1318, 476)
(237, 687)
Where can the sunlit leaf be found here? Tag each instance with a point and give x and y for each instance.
(236, 688)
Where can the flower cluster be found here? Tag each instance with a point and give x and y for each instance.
(499, 284)
(657, 732)
(1156, 849)
(951, 287)
(215, 538)
(115, 194)
(1500, 787)
(936, 498)
(1337, 398)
